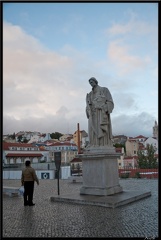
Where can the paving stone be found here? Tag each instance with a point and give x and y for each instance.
(53, 219)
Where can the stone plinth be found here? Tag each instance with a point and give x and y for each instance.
(100, 173)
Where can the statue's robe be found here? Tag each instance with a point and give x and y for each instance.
(99, 106)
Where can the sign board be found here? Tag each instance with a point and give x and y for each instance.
(45, 175)
(57, 159)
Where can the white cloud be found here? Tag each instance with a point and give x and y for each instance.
(130, 47)
(133, 26)
(126, 63)
(36, 83)
(45, 91)
(135, 124)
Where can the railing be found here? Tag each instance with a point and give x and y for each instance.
(76, 172)
(128, 172)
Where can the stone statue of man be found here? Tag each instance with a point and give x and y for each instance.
(99, 105)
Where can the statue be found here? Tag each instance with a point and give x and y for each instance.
(99, 158)
(99, 105)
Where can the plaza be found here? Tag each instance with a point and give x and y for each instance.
(58, 219)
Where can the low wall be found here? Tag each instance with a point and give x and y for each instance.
(16, 174)
(65, 172)
(137, 172)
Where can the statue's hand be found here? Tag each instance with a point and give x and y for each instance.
(87, 113)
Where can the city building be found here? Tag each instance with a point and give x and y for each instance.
(121, 158)
(120, 139)
(132, 147)
(68, 151)
(152, 141)
(66, 137)
(82, 134)
(17, 153)
(22, 135)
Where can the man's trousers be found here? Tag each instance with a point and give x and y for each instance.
(28, 193)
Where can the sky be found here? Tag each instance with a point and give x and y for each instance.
(51, 50)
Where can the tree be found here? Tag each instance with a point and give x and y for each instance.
(142, 163)
(152, 160)
(56, 135)
(19, 138)
(148, 159)
(12, 136)
(25, 140)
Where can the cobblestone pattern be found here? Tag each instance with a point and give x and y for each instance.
(53, 219)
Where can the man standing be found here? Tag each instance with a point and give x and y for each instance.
(99, 106)
(27, 180)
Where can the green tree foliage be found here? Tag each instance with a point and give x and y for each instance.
(19, 139)
(152, 160)
(147, 160)
(12, 136)
(25, 140)
(56, 135)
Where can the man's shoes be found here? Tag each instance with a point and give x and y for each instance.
(32, 204)
(26, 204)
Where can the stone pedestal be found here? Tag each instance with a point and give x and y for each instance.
(100, 173)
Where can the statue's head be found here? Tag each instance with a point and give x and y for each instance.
(93, 79)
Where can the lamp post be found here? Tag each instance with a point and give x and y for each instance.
(78, 167)
(78, 139)
(57, 158)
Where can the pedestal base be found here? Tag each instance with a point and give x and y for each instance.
(101, 191)
(100, 174)
(113, 201)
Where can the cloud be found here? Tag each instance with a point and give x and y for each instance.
(130, 47)
(40, 87)
(135, 124)
(45, 124)
(126, 63)
(133, 26)
(45, 91)
(129, 125)
(125, 102)
(33, 76)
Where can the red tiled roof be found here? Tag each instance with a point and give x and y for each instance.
(140, 136)
(126, 158)
(6, 145)
(76, 160)
(24, 155)
(64, 144)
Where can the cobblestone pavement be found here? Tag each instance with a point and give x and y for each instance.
(53, 219)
